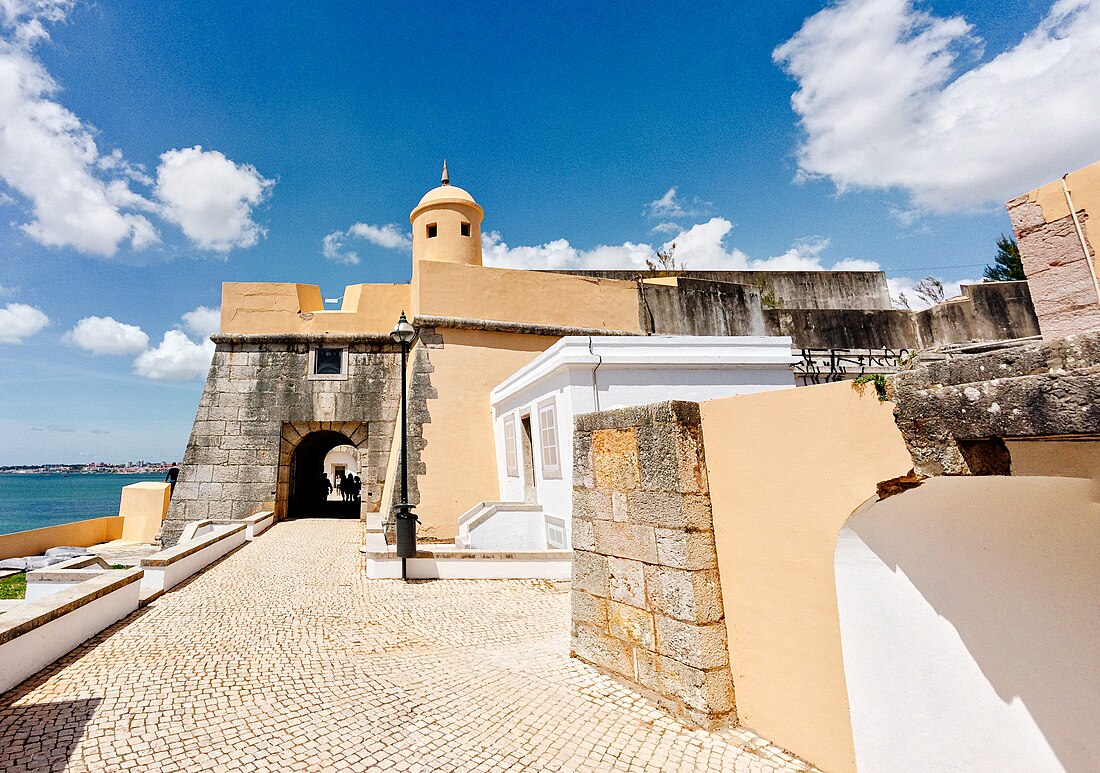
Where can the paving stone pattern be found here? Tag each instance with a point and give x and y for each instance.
(283, 657)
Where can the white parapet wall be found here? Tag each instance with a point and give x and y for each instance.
(203, 543)
(257, 524)
(38, 632)
(457, 564)
(45, 582)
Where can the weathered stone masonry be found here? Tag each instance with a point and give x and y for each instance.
(955, 415)
(258, 404)
(647, 605)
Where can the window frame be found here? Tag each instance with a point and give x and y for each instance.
(550, 471)
(511, 452)
(311, 364)
(431, 230)
(465, 229)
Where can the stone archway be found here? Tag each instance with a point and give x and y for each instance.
(302, 452)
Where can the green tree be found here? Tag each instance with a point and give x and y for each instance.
(1007, 265)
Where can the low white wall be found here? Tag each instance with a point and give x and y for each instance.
(220, 540)
(969, 625)
(258, 524)
(510, 530)
(26, 654)
(556, 565)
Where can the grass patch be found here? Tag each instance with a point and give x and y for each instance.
(121, 566)
(14, 587)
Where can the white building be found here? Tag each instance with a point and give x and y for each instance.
(533, 414)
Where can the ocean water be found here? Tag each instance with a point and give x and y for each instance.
(32, 501)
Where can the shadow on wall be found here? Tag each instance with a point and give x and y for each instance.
(969, 625)
(55, 729)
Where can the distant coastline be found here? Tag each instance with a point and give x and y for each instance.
(91, 468)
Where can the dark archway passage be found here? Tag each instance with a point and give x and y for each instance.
(307, 494)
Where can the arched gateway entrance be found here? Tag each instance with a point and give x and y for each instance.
(302, 492)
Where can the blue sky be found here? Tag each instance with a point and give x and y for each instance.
(225, 141)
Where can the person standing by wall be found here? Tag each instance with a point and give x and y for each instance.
(171, 477)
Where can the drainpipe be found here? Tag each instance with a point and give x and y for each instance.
(595, 388)
(1081, 238)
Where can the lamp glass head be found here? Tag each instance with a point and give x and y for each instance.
(403, 332)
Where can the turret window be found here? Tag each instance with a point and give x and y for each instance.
(465, 229)
(433, 230)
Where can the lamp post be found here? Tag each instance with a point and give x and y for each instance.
(403, 333)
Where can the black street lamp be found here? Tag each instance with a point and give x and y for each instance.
(403, 333)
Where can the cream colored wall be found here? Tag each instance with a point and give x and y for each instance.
(449, 245)
(476, 292)
(80, 534)
(143, 508)
(1056, 458)
(786, 470)
(280, 307)
(1084, 189)
(459, 453)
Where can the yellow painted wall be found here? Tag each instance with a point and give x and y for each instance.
(460, 455)
(282, 307)
(510, 295)
(786, 470)
(80, 534)
(1084, 189)
(449, 245)
(143, 508)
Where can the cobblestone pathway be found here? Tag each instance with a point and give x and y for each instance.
(283, 657)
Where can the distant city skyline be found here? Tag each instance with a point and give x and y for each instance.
(149, 152)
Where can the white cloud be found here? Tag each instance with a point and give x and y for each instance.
(855, 264)
(332, 247)
(388, 236)
(671, 206)
(211, 198)
(884, 102)
(19, 321)
(702, 247)
(49, 157)
(666, 228)
(83, 199)
(203, 321)
(176, 358)
(105, 335)
(559, 254)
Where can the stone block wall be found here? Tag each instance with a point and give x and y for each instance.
(258, 404)
(646, 600)
(955, 415)
(1062, 287)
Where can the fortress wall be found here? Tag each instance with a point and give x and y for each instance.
(988, 311)
(693, 307)
(843, 328)
(534, 297)
(282, 308)
(791, 289)
(255, 388)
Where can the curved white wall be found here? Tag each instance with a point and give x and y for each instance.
(970, 626)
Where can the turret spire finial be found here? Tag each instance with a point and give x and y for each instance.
(446, 177)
